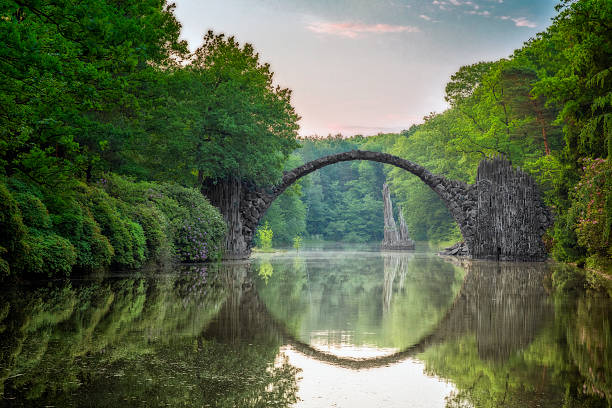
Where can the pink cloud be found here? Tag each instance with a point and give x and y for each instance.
(424, 17)
(352, 30)
(523, 22)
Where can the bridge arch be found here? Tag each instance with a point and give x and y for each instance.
(500, 217)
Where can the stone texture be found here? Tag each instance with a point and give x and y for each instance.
(394, 238)
(501, 216)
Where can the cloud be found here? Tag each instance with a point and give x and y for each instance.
(523, 22)
(352, 30)
(455, 2)
(424, 17)
(504, 17)
(479, 13)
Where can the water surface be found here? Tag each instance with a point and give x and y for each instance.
(318, 328)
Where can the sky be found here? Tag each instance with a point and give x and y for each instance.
(367, 66)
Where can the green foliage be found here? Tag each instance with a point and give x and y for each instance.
(125, 236)
(116, 222)
(592, 207)
(343, 201)
(199, 228)
(226, 117)
(50, 254)
(174, 218)
(33, 211)
(297, 243)
(13, 247)
(287, 214)
(72, 218)
(70, 74)
(264, 236)
(580, 82)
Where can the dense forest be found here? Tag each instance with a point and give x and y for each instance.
(110, 129)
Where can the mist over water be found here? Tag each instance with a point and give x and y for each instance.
(329, 325)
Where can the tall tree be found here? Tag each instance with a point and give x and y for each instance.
(69, 74)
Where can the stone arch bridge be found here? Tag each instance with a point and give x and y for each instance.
(501, 216)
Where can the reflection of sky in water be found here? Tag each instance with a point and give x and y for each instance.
(358, 299)
(360, 305)
(327, 342)
(399, 385)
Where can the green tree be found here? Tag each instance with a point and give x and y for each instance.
(70, 73)
(264, 236)
(233, 122)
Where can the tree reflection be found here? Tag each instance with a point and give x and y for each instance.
(389, 300)
(161, 340)
(519, 347)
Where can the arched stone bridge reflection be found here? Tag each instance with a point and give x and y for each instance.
(503, 304)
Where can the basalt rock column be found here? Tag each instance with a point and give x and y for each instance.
(511, 217)
(394, 239)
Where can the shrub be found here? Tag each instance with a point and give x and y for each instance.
(73, 220)
(50, 254)
(198, 225)
(33, 211)
(176, 220)
(116, 222)
(125, 236)
(264, 236)
(592, 207)
(13, 248)
(156, 231)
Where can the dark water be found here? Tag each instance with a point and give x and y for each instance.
(322, 328)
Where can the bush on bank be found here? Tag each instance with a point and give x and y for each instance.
(115, 222)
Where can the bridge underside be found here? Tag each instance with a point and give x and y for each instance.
(501, 216)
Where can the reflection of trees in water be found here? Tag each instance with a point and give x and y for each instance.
(206, 337)
(503, 304)
(589, 338)
(140, 342)
(387, 300)
(517, 347)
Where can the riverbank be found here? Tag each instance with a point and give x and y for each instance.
(114, 222)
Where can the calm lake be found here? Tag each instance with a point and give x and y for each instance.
(325, 327)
